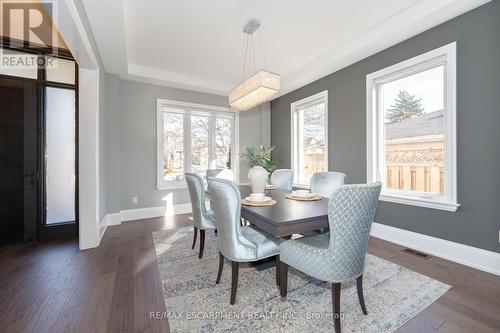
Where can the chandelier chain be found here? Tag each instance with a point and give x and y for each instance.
(262, 49)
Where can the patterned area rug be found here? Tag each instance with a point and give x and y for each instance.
(393, 294)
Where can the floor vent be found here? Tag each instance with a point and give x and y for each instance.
(417, 253)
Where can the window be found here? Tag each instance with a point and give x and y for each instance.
(60, 176)
(200, 153)
(9, 60)
(223, 142)
(309, 137)
(412, 131)
(173, 145)
(193, 138)
(60, 70)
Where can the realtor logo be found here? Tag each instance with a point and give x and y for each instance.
(29, 25)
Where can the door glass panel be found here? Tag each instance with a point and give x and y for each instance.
(60, 70)
(199, 144)
(18, 64)
(223, 142)
(60, 155)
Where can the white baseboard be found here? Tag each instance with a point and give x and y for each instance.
(113, 219)
(463, 254)
(144, 213)
(103, 225)
(152, 212)
(141, 213)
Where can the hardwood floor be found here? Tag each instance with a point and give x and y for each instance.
(54, 287)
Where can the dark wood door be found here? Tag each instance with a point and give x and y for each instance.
(18, 160)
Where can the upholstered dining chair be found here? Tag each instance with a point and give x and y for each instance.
(203, 219)
(236, 243)
(282, 178)
(325, 183)
(220, 173)
(338, 256)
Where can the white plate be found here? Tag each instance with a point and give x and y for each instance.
(295, 194)
(265, 199)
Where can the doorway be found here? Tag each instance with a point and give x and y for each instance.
(18, 160)
(38, 152)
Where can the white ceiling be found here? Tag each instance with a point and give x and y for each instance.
(196, 44)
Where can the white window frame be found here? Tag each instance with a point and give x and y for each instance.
(321, 97)
(188, 109)
(445, 55)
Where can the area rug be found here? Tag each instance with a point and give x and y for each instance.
(194, 303)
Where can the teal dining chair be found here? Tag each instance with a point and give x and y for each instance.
(203, 219)
(338, 256)
(237, 243)
(282, 178)
(325, 183)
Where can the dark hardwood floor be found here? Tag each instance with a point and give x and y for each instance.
(54, 287)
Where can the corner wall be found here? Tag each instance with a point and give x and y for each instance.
(130, 141)
(476, 223)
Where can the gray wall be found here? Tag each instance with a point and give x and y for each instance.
(111, 139)
(130, 137)
(131, 140)
(477, 33)
(255, 126)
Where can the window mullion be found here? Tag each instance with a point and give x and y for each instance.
(211, 141)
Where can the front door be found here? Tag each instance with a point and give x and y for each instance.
(19, 174)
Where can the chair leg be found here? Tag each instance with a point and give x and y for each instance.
(336, 306)
(221, 265)
(359, 283)
(283, 280)
(234, 281)
(194, 237)
(202, 242)
(278, 270)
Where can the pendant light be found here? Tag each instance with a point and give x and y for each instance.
(260, 87)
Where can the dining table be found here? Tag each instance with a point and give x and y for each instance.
(287, 216)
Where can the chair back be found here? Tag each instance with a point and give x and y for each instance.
(197, 194)
(226, 201)
(325, 183)
(282, 178)
(220, 173)
(350, 215)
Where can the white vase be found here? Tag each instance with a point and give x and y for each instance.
(257, 176)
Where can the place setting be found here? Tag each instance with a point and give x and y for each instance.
(258, 200)
(302, 195)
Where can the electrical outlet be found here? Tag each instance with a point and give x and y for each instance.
(135, 200)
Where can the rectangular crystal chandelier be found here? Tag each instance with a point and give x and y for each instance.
(259, 88)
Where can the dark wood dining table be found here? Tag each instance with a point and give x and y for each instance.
(286, 217)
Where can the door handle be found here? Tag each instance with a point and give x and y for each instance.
(34, 177)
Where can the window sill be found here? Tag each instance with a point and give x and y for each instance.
(171, 186)
(420, 202)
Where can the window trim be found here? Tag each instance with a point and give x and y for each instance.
(445, 55)
(323, 95)
(188, 109)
